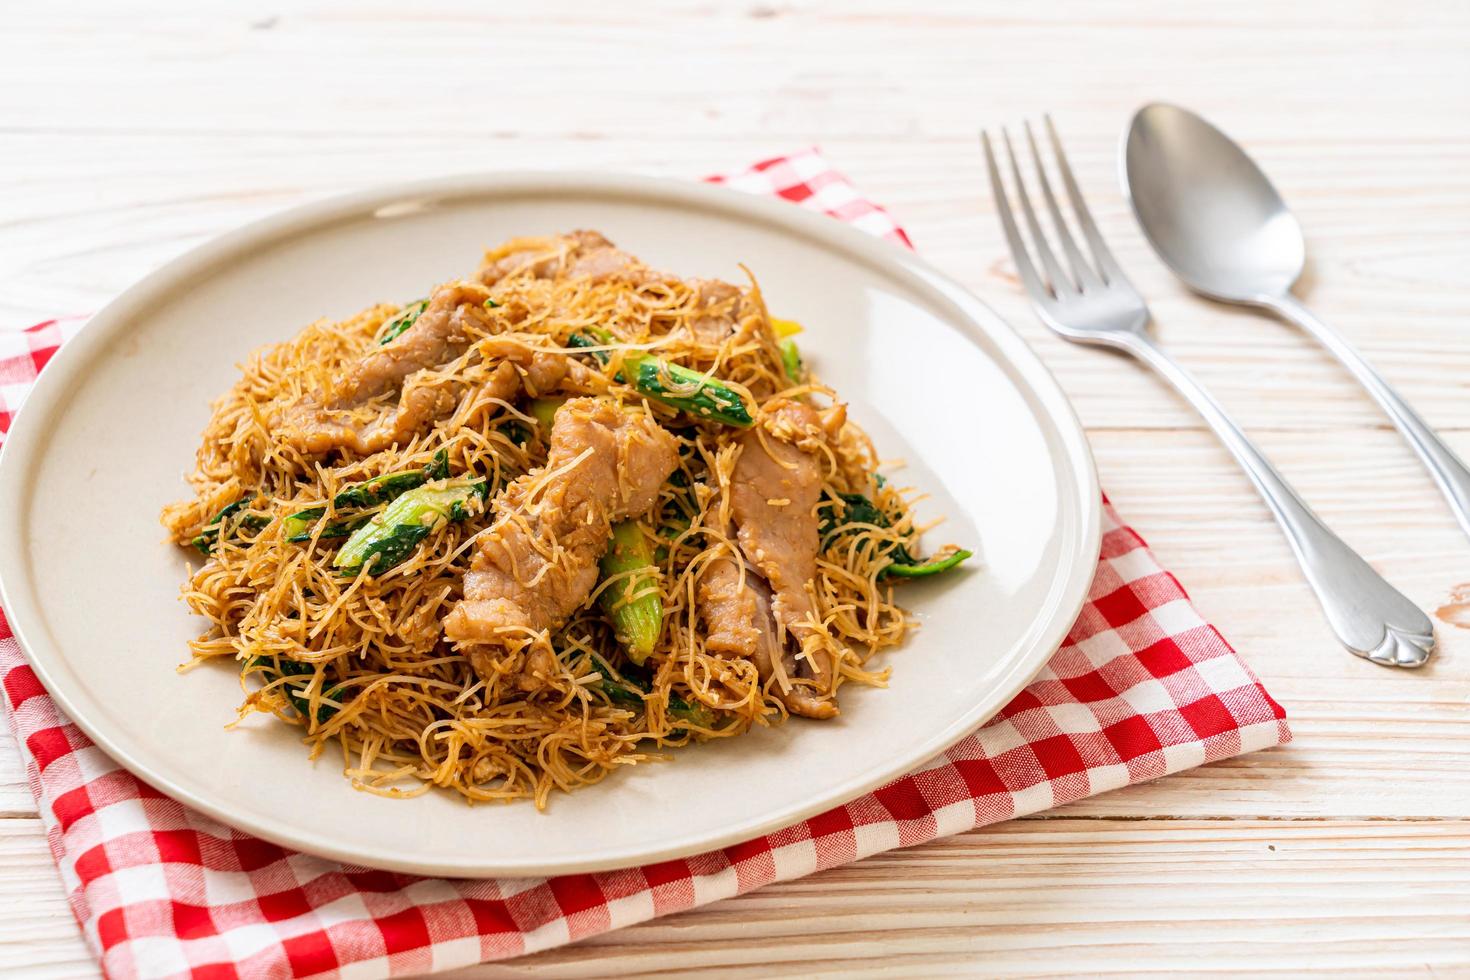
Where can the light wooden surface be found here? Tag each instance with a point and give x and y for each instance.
(132, 134)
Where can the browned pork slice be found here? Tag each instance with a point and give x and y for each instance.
(729, 607)
(538, 562)
(455, 314)
(766, 614)
(580, 254)
(713, 316)
(717, 315)
(330, 420)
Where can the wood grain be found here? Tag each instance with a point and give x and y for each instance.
(132, 133)
(1079, 896)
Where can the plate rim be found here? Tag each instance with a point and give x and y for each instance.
(20, 453)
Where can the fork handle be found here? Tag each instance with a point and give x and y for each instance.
(1447, 469)
(1370, 617)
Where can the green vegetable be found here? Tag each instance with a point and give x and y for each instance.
(582, 340)
(858, 509)
(298, 526)
(669, 529)
(543, 410)
(226, 520)
(369, 493)
(791, 359)
(628, 693)
(271, 670)
(406, 318)
(672, 383)
(677, 513)
(691, 711)
(389, 548)
(381, 489)
(931, 567)
(515, 432)
(394, 532)
(636, 621)
(712, 400)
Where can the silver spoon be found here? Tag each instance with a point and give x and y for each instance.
(1214, 218)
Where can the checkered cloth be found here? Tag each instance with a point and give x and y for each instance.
(1142, 687)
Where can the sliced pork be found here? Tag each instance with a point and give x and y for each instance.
(757, 603)
(344, 418)
(580, 254)
(538, 562)
(455, 314)
(718, 314)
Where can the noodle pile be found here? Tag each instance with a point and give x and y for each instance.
(360, 661)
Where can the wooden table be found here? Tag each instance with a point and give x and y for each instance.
(131, 136)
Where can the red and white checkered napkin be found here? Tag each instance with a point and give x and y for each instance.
(1143, 687)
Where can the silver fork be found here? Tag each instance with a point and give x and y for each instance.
(1094, 303)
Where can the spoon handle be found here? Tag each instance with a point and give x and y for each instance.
(1448, 470)
(1370, 617)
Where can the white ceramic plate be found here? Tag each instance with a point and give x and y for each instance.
(91, 586)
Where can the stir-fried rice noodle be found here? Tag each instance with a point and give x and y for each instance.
(361, 661)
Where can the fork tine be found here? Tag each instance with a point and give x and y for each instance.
(1034, 286)
(1060, 283)
(1105, 261)
(1086, 278)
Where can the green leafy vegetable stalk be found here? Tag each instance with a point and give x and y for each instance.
(633, 604)
(674, 384)
(229, 523)
(272, 669)
(369, 493)
(394, 532)
(628, 693)
(791, 359)
(855, 509)
(932, 566)
(543, 410)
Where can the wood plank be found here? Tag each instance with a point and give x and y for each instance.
(39, 938)
(1081, 897)
(1054, 895)
(15, 792)
(1368, 740)
(811, 69)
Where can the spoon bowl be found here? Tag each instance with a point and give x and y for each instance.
(1213, 217)
(1207, 209)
